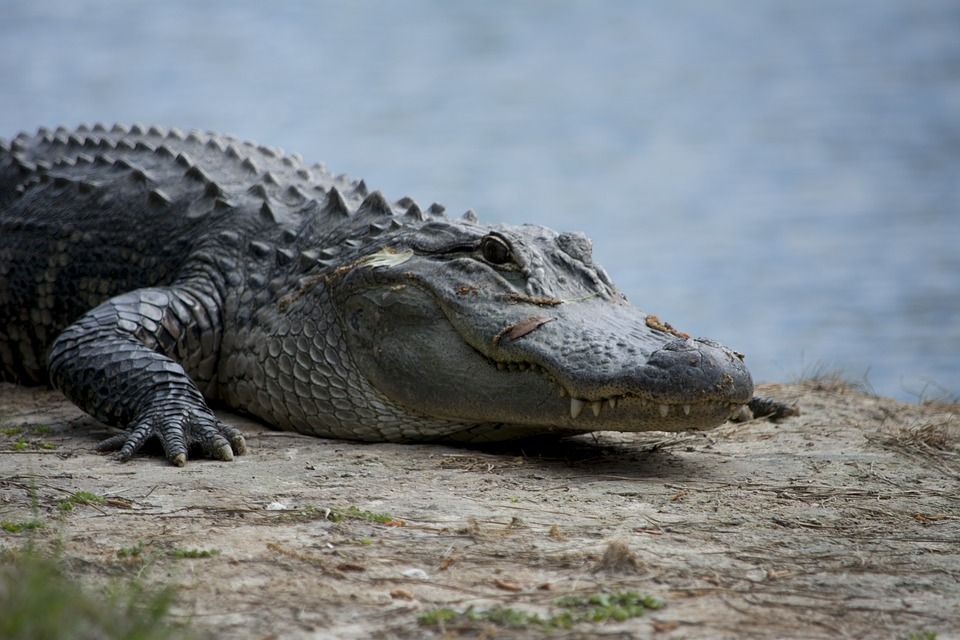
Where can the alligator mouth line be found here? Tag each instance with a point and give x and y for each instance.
(578, 405)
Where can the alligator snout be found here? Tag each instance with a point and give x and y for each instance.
(702, 365)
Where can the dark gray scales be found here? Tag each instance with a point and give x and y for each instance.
(148, 272)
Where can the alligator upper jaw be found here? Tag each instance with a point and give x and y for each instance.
(649, 403)
(613, 371)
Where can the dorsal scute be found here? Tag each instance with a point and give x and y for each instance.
(375, 205)
(259, 191)
(261, 249)
(250, 166)
(267, 214)
(233, 152)
(159, 197)
(414, 213)
(294, 196)
(334, 205)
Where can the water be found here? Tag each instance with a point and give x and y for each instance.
(782, 177)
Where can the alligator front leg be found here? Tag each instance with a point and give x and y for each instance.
(126, 363)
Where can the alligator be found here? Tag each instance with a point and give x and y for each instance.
(152, 273)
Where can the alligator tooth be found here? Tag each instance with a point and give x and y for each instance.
(612, 402)
(596, 407)
(664, 410)
(501, 366)
(576, 407)
(686, 409)
(523, 366)
(563, 392)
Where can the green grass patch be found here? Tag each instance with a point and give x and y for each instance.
(16, 527)
(335, 514)
(39, 429)
(308, 512)
(150, 550)
(22, 444)
(192, 553)
(39, 601)
(132, 552)
(80, 498)
(619, 606)
(338, 514)
(437, 617)
(599, 608)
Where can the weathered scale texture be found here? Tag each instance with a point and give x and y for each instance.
(146, 271)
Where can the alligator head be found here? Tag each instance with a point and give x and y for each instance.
(515, 331)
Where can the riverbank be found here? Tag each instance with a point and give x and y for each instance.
(841, 522)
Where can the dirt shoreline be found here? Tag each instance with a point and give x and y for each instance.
(843, 522)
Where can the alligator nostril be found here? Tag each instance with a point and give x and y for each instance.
(710, 343)
(676, 353)
(683, 344)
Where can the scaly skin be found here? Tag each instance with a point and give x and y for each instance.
(146, 273)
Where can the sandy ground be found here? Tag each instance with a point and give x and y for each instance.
(843, 522)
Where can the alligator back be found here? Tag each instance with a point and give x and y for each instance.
(90, 213)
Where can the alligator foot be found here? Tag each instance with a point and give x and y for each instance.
(178, 435)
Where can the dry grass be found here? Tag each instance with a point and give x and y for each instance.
(935, 443)
(819, 377)
(619, 559)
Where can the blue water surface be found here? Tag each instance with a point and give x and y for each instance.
(782, 177)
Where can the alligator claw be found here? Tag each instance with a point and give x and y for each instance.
(217, 440)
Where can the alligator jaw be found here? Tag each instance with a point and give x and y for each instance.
(629, 412)
(651, 409)
(611, 368)
(665, 417)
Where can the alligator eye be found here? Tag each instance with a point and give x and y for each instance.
(495, 251)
